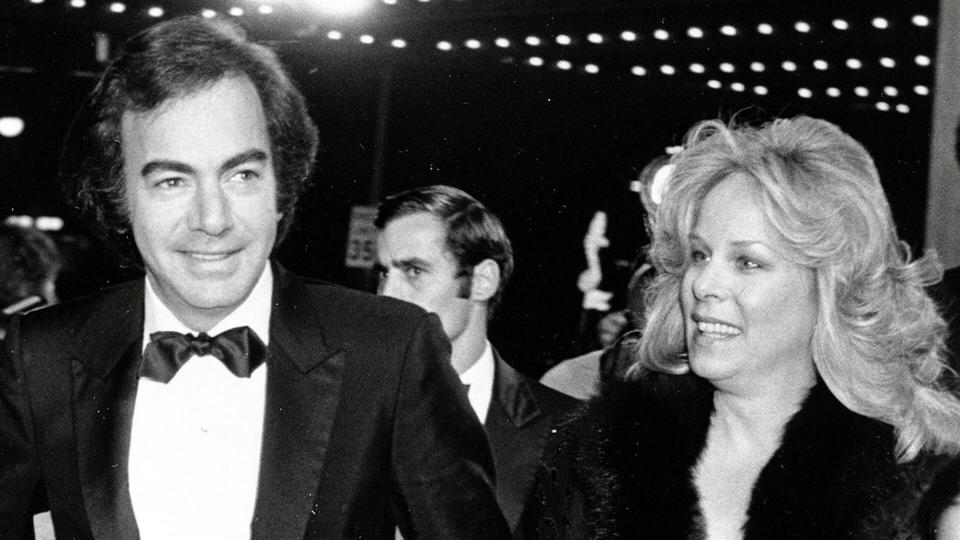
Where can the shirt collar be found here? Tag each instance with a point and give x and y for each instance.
(253, 312)
(481, 372)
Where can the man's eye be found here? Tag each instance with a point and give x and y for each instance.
(413, 271)
(167, 183)
(698, 255)
(246, 175)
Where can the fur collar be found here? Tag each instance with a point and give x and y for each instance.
(633, 450)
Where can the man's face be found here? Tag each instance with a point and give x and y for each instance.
(201, 195)
(416, 266)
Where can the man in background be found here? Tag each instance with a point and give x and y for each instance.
(29, 264)
(441, 249)
(221, 396)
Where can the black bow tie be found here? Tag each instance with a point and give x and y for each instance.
(238, 348)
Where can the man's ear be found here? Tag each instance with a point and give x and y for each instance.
(486, 280)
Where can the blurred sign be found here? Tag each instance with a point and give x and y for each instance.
(362, 237)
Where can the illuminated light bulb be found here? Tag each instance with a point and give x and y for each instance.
(390, 2)
(861, 91)
(639, 71)
(340, 7)
(802, 27)
(236, 11)
(265, 9)
(888, 62)
(591, 68)
(757, 66)
(366, 39)
(788, 65)
(11, 126)
(563, 39)
(78, 3)
(208, 13)
(891, 91)
(398, 43)
(760, 90)
(880, 23)
(533, 41)
(715, 84)
(444, 45)
(854, 63)
(661, 34)
(155, 11)
(36, 1)
(697, 68)
(922, 60)
(821, 65)
(921, 90)
(535, 61)
(502, 42)
(472, 44)
(765, 29)
(841, 24)
(805, 93)
(883, 106)
(833, 92)
(695, 32)
(334, 35)
(118, 7)
(920, 20)
(667, 69)
(628, 35)
(595, 38)
(727, 67)
(903, 108)
(737, 87)
(728, 30)
(564, 64)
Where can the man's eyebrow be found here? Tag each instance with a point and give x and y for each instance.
(410, 262)
(254, 154)
(166, 165)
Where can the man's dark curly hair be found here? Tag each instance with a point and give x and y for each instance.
(167, 61)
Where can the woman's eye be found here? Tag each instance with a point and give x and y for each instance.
(747, 263)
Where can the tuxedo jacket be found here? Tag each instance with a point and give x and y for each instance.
(366, 425)
(521, 414)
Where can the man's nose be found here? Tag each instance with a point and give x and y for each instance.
(211, 212)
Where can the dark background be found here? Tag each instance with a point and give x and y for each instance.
(544, 148)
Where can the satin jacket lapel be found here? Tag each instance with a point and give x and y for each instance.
(515, 437)
(513, 394)
(303, 390)
(105, 374)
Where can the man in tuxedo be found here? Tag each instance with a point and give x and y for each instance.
(313, 411)
(441, 249)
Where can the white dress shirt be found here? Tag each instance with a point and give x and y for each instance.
(195, 441)
(480, 378)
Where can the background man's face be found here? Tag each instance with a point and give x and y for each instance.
(417, 267)
(201, 195)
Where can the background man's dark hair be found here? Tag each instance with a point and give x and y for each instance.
(173, 59)
(474, 233)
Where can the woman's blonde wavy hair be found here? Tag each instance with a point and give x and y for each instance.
(879, 338)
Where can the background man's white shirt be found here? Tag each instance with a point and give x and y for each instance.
(480, 378)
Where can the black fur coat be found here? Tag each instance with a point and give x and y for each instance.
(623, 468)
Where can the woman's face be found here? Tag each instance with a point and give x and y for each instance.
(749, 312)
